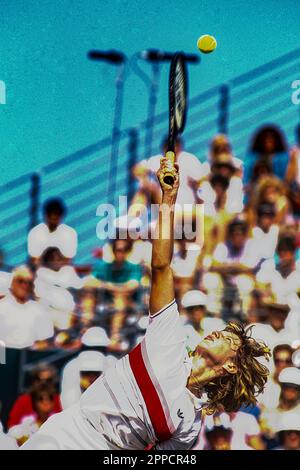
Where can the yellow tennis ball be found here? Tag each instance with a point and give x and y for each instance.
(206, 43)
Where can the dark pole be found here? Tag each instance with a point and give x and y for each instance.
(223, 109)
(116, 135)
(133, 156)
(34, 195)
(115, 58)
(151, 109)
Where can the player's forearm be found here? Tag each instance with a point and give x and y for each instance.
(163, 243)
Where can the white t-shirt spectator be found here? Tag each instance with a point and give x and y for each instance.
(64, 238)
(243, 426)
(23, 324)
(247, 256)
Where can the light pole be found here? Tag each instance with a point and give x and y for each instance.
(119, 59)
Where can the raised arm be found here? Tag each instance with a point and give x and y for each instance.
(162, 285)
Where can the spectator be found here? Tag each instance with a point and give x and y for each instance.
(289, 400)
(219, 145)
(282, 358)
(23, 322)
(219, 438)
(121, 279)
(281, 273)
(245, 431)
(233, 263)
(184, 265)
(52, 232)
(265, 233)
(53, 279)
(288, 431)
(198, 324)
(191, 172)
(268, 145)
(79, 373)
(269, 190)
(23, 406)
(293, 176)
(43, 406)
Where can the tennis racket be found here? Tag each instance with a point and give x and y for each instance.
(177, 106)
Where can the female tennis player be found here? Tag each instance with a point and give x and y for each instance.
(151, 396)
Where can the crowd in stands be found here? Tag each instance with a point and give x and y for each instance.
(246, 268)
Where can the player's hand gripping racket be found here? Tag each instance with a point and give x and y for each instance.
(177, 107)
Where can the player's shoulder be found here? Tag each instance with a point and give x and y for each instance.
(164, 311)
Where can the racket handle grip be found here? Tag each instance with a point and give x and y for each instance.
(168, 178)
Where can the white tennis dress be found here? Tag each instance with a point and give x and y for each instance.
(141, 401)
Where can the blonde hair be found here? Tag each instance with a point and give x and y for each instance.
(232, 391)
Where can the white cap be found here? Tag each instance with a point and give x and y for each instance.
(290, 375)
(289, 421)
(91, 361)
(193, 298)
(95, 336)
(22, 271)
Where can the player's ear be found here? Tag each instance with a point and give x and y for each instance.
(230, 366)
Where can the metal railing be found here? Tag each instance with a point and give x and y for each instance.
(237, 107)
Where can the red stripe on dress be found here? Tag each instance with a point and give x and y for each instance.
(150, 395)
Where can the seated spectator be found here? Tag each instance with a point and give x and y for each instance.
(191, 172)
(289, 400)
(269, 190)
(245, 431)
(43, 406)
(232, 268)
(23, 321)
(265, 233)
(184, 265)
(282, 358)
(121, 279)
(293, 177)
(268, 145)
(288, 432)
(218, 438)
(23, 406)
(219, 145)
(79, 373)
(52, 232)
(53, 279)
(223, 198)
(282, 271)
(198, 324)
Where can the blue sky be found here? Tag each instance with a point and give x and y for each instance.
(58, 101)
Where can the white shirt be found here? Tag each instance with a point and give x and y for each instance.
(114, 413)
(70, 384)
(246, 256)
(40, 238)
(23, 324)
(243, 426)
